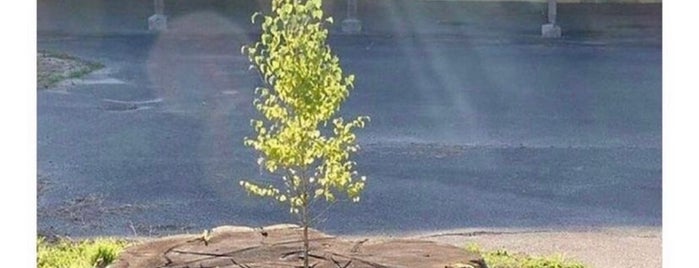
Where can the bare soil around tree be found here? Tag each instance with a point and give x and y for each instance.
(280, 246)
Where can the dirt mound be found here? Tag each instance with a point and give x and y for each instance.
(280, 246)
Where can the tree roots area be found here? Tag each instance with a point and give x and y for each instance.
(281, 246)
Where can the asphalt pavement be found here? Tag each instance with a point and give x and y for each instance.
(476, 121)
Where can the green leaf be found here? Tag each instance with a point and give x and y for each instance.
(317, 14)
(287, 8)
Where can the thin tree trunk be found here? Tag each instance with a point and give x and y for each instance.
(305, 222)
(305, 246)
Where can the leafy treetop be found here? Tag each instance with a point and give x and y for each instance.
(300, 138)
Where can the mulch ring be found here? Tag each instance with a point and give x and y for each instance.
(280, 246)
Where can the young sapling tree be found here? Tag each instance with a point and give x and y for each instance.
(300, 137)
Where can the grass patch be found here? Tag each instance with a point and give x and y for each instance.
(81, 254)
(53, 67)
(504, 259)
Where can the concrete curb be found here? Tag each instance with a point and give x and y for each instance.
(562, 1)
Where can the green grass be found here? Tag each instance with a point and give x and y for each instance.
(81, 254)
(66, 56)
(504, 259)
(48, 79)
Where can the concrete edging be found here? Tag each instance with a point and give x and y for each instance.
(562, 1)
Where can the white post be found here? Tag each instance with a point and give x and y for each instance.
(551, 30)
(351, 8)
(158, 22)
(552, 11)
(351, 24)
(159, 7)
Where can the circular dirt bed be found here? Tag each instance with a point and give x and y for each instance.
(281, 246)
